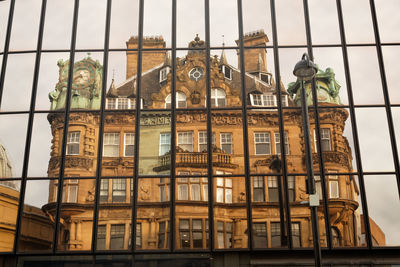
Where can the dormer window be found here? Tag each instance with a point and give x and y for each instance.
(122, 103)
(227, 72)
(263, 100)
(264, 77)
(180, 100)
(164, 74)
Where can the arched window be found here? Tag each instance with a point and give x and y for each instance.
(180, 100)
(218, 98)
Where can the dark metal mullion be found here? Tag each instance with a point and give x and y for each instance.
(386, 94)
(209, 131)
(245, 127)
(101, 126)
(66, 122)
(354, 124)
(6, 48)
(30, 126)
(173, 127)
(281, 130)
(137, 125)
(317, 131)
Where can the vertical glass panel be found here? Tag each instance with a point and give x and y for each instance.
(12, 138)
(331, 83)
(230, 214)
(18, 82)
(153, 213)
(76, 224)
(324, 22)
(4, 11)
(191, 143)
(91, 21)
(383, 199)
(40, 161)
(363, 63)
(162, 11)
(81, 144)
(124, 21)
(192, 227)
(287, 60)
(50, 79)
(118, 144)
(228, 151)
(189, 12)
(346, 227)
(388, 22)
(264, 138)
(396, 123)
(9, 191)
(391, 64)
(376, 152)
(336, 139)
(58, 24)
(358, 16)
(115, 214)
(37, 225)
(155, 143)
(223, 28)
(290, 22)
(25, 25)
(256, 16)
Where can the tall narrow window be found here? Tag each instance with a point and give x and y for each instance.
(333, 186)
(117, 236)
(101, 237)
(203, 141)
(325, 139)
(278, 143)
(138, 237)
(73, 142)
(224, 234)
(185, 141)
(162, 234)
(226, 142)
(111, 145)
(129, 145)
(291, 188)
(118, 190)
(273, 194)
(183, 189)
(318, 186)
(227, 72)
(165, 143)
(262, 142)
(258, 189)
(296, 234)
(275, 234)
(164, 73)
(104, 190)
(224, 190)
(184, 233)
(72, 193)
(164, 189)
(260, 235)
(218, 98)
(197, 233)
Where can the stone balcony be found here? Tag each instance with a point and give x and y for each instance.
(195, 160)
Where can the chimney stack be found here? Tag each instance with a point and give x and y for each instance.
(253, 57)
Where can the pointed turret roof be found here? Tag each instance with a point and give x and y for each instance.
(112, 91)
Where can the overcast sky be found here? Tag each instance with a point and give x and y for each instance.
(382, 194)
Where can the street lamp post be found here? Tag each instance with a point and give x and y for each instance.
(305, 70)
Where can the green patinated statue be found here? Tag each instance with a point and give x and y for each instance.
(86, 85)
(326, 85)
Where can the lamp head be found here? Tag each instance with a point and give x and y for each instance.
(305, 69)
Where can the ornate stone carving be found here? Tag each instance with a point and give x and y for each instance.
(71, 162)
